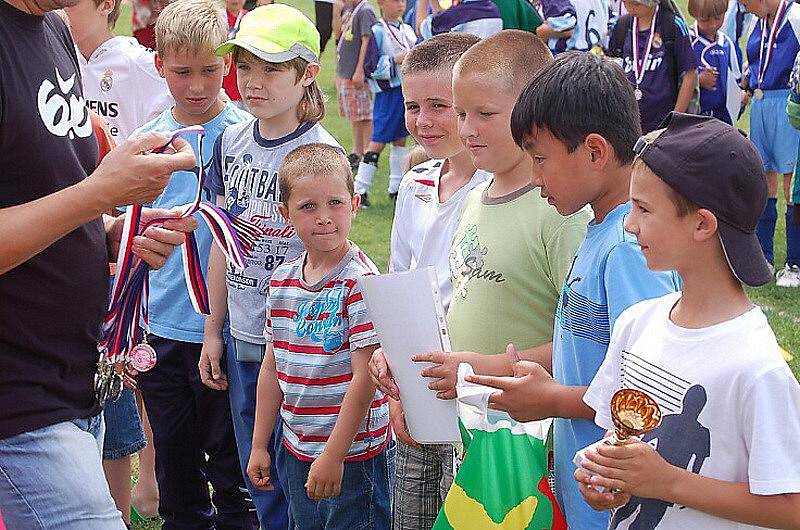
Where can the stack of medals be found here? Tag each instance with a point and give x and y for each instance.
(124, 344)
(763, 60)
(639, 66)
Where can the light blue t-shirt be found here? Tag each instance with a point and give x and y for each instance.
(609, 274)
(170, 310)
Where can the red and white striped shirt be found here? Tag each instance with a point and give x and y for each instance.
(314, 328)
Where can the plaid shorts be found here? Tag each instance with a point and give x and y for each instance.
(424, 476)
(355, 104)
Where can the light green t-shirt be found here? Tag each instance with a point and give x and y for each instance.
(508, 261)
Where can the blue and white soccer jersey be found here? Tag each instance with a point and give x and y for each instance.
(770, 131)
(588, 20)
(724, 101)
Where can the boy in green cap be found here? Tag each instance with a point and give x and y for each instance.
(276, 54)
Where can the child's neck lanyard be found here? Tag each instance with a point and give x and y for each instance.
(399, 37)
(764, 59)
(707, 45)
(639, 67)
(235, 29)
(348, 24)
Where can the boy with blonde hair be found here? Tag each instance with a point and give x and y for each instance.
(190, 421)
(722, 457)
(336, 448)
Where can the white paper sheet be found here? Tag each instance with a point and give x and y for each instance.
(408, 316)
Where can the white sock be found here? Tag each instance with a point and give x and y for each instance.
(397, 163)
(364, 177)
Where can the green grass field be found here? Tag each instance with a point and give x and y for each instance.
(372, 227)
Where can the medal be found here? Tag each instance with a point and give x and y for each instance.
(143, 356)
(764, 59)
(639, 66)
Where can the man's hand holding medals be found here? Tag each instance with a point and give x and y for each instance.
(146, 239)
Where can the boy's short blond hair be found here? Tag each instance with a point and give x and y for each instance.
(315, 160)
(511, 55)
(438, 54)
(193, 25)
(707, 8)
(683, 206)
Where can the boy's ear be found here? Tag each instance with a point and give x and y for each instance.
(159, 64)
(706, 225)
(312, 70)
(355, 204)
(227, 63)
(284, 212)
(599, 149)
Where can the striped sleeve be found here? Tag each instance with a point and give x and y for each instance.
(362, 332)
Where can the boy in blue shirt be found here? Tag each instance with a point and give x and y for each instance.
(717, 61)
(189, 420)
(582, 148)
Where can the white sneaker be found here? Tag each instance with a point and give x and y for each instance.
(771, 268)
(789, 276)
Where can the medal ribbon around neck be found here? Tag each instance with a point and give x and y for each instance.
(637, 68)
(763, 61)
(235, 29)
(707, 47)
(235, 237)
(401, 41)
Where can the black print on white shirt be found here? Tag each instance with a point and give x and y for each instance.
(681, 439)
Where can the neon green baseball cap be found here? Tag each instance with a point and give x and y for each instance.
(276, 33)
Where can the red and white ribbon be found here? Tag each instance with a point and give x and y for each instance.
(128, 305)
(763, 61)
(639, 67)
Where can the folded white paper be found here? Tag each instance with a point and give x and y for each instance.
(408, 316)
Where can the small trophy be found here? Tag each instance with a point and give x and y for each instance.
(634, 413)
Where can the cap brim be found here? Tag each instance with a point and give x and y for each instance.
(267, 51)
(744, 255)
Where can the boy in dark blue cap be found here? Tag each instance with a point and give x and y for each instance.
(720, 458)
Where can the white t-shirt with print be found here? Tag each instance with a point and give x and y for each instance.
(423, 228)
(730, 405)
(121, 84)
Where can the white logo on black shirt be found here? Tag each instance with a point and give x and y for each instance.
(62, 117)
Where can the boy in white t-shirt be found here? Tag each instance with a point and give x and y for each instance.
(724, 455)
(120, 80)
(428, 208)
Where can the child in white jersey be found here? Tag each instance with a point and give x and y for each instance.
(722, 457)
(276, 52)
(120, 80)
(334, 451)
(427, 212)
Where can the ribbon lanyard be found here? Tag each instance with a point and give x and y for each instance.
(349, 22)
(129, 296)
(401, 41)
(639, 67)
(235, 29)
(706, 47)
(763, 61)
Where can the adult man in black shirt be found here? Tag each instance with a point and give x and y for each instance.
(55, 244)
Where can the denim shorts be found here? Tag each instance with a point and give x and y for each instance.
(124, 434)
(364, 501)
(52, 478)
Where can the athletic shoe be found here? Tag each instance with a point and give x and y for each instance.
(364, 202)
(789, 276)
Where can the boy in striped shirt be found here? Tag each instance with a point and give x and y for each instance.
(315, 369)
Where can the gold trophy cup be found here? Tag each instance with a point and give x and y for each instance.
(634, 413)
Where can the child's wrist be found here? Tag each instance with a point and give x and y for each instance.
(670, 483)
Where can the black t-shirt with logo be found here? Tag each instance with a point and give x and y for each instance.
(52, 305)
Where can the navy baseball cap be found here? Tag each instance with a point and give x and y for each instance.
(716, 167)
